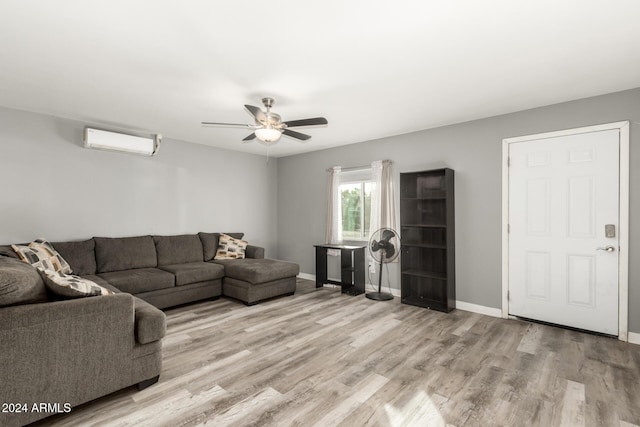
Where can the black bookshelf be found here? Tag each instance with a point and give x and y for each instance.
(427, 229)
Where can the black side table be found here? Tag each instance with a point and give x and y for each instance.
(351, 268)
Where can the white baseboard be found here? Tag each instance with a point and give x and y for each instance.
(480, 309)
(307, 276)
(634, 338)
(461, 305)
(368, 288)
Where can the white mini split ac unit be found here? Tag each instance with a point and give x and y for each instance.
(114, 141)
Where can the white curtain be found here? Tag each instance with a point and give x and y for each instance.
(333, 234)
(383, 210)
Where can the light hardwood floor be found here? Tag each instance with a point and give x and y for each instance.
(322, 358)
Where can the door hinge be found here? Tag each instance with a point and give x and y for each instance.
(507, 294)
(508, 161)
(508, 228)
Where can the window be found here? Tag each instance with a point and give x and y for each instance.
(355, 193)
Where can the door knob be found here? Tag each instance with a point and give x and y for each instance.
(606, 248)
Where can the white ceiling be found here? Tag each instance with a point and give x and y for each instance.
(372, 68)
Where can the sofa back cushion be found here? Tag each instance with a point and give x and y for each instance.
(178, 249)
(125, 253)
(210, 243)
(81, 256)
(20, 283)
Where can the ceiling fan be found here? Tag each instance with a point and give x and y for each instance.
(269, 127)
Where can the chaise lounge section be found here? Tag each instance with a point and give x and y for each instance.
(255, 280)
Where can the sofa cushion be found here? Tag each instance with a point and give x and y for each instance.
(70, 286)
(81, 256)
(210, 243)
(254, 252)
(194, 272)
(117, 254)
(20, 283)
(139, 280)
(258, 270)
(178, 249)
(230, 248)
(41, 254)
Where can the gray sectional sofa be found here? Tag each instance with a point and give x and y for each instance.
(68, 352)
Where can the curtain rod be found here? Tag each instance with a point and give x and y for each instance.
(357, 168)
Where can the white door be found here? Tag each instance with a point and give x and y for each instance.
(563, 230)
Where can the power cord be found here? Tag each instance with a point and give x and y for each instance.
(370, 282)
(374, 287)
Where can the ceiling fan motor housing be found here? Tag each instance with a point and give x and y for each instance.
(273, 119)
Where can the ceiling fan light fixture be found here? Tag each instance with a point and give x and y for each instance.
(268, 135)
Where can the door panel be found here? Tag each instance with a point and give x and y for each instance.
(562, 193)
(538, 276)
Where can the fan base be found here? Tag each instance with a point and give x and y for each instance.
(379, 296)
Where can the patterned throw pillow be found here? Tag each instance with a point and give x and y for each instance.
(230, 248)
(42, 255)
(70, 286)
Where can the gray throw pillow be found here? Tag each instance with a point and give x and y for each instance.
(20, 283)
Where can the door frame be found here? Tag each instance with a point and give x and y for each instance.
(623, 213)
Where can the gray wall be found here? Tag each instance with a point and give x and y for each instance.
(474, 151)
(55, 188)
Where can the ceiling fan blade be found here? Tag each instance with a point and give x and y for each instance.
(296, 135)
(316, 121)
(250, 138)
(256, 113)
(234, 125)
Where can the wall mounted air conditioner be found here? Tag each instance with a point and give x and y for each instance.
(114, 141)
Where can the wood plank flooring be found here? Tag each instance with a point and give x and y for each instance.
(322, 358)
